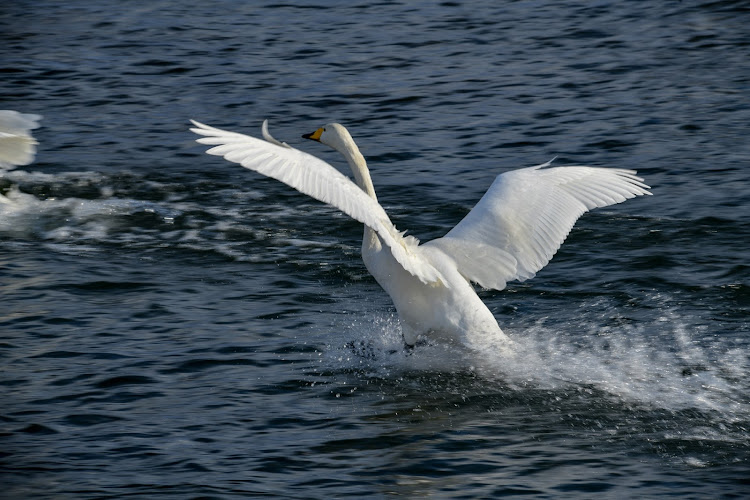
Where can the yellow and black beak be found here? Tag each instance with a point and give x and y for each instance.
(315, 136)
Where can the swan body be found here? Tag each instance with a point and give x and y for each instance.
(17, 146)
(511, 233)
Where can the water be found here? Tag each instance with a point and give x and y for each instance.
(174, 326)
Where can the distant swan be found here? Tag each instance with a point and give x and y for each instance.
(511, 233)
(17, 146)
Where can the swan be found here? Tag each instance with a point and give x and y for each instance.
(17, 146)
(511, 233)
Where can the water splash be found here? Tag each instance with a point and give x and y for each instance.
(694, 384)
(661, 365)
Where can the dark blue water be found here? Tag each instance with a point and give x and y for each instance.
(175, 326)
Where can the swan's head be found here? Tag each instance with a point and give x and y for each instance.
(333, 135)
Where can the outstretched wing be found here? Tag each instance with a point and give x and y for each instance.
(17, 146)
(317, 179)
(525, 216)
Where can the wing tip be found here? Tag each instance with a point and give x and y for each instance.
(200, 128)
(269, 138)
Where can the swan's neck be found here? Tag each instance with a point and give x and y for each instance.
(359, 168)
(371, 241)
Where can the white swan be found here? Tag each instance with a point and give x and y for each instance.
(512, 232)
(17, 146)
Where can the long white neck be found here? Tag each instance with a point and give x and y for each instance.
(371, 243)
(359, 168)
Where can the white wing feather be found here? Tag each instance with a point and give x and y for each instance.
(524, 217)
(17, 146)
(317, 179)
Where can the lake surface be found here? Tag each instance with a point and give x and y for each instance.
(175, 326)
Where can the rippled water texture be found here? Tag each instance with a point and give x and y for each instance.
(175, 326)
